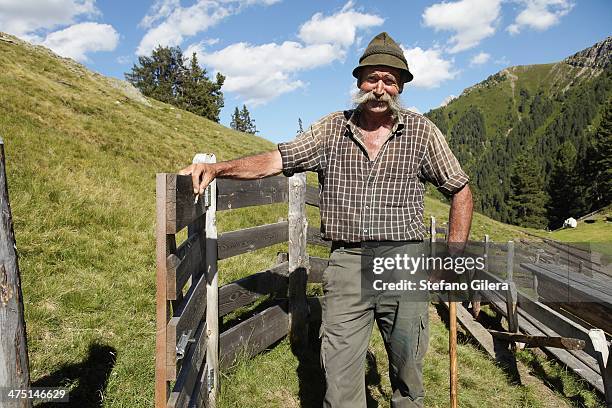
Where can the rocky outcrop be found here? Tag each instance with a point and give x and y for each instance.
(599, 56)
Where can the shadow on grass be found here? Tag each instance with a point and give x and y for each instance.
(90, 375)
(504, 357)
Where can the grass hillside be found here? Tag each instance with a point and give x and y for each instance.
(82, 152)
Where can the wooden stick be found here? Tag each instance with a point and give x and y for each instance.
(452, 351)
(566, 343)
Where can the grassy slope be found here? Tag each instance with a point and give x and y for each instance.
(81, 159)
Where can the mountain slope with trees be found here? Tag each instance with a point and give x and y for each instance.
(550, 115)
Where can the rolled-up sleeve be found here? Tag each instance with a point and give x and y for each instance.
(305, 153)
(440, 166)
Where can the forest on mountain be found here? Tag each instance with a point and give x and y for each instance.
(535, 140)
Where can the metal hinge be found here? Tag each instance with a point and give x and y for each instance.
(183, 342)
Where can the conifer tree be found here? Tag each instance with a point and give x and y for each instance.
(527, 198)
(242, 122)
(164, 76)
(566, 194)
(601, 160)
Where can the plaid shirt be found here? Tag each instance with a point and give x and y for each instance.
(363, 200)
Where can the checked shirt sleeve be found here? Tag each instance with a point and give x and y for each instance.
(440, 166)
(305, 153)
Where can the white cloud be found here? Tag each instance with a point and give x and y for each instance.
(260, 73)
(175, 23)
(414, 109)
(24, 17)
(470, 20)
(79, 39)
(428, 67)
(480, 58)
(539, 14)
(338, 29)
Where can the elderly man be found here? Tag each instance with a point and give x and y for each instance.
(373, 162)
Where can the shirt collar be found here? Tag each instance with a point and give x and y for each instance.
(352, 122)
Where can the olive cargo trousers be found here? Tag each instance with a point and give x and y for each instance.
(347, 321)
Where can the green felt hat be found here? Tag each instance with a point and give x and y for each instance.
(382, 50)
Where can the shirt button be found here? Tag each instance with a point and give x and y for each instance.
(365, 230)
(367, 207)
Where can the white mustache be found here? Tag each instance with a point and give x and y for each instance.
(393, 102)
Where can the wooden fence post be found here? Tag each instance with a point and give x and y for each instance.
(211, 377)
(604, 359)
(298, 264)
(511, 295)
(432, 229)
(14, 364)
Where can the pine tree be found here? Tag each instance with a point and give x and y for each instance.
(300, 127)
(600, 160)
(527, 199)
(236, 122)
(566, 194)
(242, 122)
(164, 76)
(159, 76)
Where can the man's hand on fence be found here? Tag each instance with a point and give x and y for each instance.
(201, 175)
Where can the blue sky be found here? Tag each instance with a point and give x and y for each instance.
(293, 59)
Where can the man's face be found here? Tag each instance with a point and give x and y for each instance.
(384, 83)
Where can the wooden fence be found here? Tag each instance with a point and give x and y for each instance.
(559, 299)
(190, 350)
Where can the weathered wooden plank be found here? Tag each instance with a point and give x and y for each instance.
(14, 371)
(542, 313)
(314, 237)
(317, 266)
(298, 264)
(187, 261)
(474, 328)
(212, 289)
(577, 360)
(233, 194)
(181, 209)
(591, 305)
(164, 245)
(312, 196)
(566, 275)
(586, 256)
(246, 290)
(187, 317)
(601, 346)
(254, 334)
(566, 343)
(190, 368)
(246, 240)
(199, 397)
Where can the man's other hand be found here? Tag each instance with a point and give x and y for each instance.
(202, 174)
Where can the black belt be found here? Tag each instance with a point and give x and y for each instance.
(349, 245)
(344, 244)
